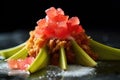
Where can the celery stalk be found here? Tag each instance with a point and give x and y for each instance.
(81, 56)
(20, 54)
(105, 52)
(40, 61)
(63, 60)
(6, 53)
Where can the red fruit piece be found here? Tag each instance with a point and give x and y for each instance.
(51, 12)
(42, 23)
(21, 64)
(61, 18)
(74, 21)
(56, 24)
(12, 64)
(60, 11)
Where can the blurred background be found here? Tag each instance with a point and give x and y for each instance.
(97, 15)
(94, 14)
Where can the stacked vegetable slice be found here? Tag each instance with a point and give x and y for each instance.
(9, 52)
(58, 40)
(105, 52)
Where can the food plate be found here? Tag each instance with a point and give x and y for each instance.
(106, 70)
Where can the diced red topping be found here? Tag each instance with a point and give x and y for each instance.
(21, 64)
(58, 25)
(74, 21)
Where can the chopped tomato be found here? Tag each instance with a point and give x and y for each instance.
(61, 32)
(49, 32)
(51, 12)
(80, 29)
(74, 21)
(60, 11)
(60, 18)
(21, 64)
(12, 64)
(57, 24)
(42, 23)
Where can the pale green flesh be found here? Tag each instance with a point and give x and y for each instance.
(20, 54)
(63, 60)
(6, 53)
(40, 61)
(105, 52)
(81, 56)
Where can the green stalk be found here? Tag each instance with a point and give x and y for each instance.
(40, 61)
(81, 56)
(63, 60)
(6, 53)
(105, 52)
(20, 54)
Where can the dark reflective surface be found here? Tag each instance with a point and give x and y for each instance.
(106, 70)
(13, 38)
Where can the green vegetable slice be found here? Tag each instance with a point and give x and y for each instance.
(20, 54)
(6, 53)
(40, 61)
(81, 56)
(63, 60)
(105, 52)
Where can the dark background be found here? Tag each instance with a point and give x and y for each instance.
(97, 14)
(101, 19)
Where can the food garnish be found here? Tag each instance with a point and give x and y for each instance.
(60, 41)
